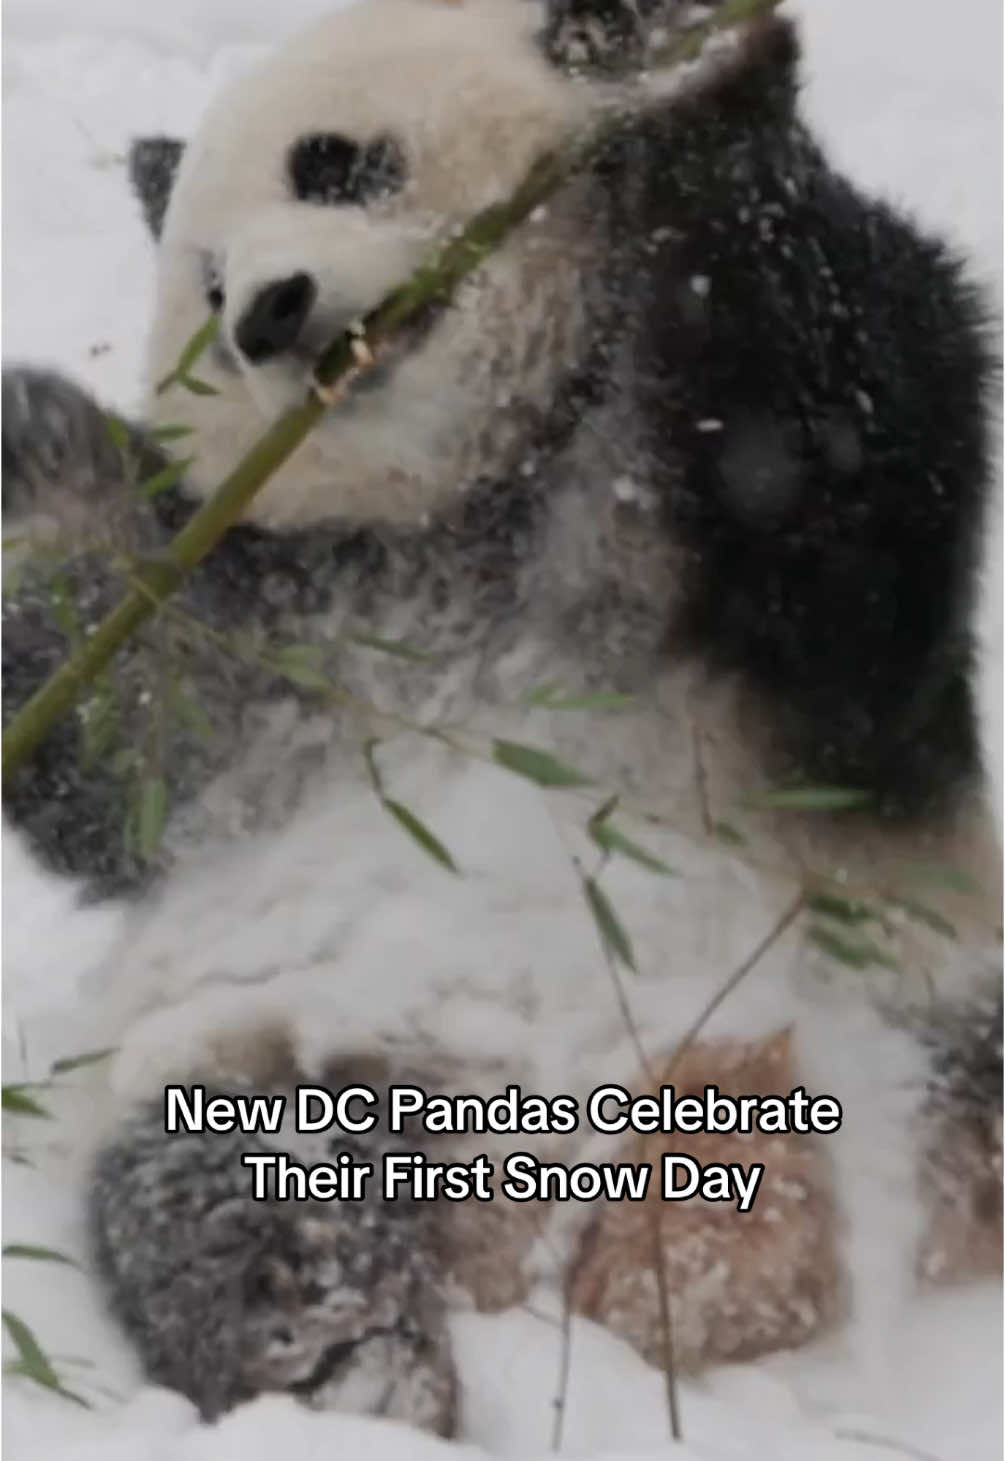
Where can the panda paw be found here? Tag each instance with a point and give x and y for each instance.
(71, 475)
(58, 448)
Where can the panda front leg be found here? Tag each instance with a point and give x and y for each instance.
(59, 455)
(814, 373)
(89, 797)
(63, 485)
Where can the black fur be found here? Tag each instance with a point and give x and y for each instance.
(332, 170)
(153, 163)
(816, 374)
(56, 447)
(610, 36)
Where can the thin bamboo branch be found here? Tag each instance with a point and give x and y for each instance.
(782, 924)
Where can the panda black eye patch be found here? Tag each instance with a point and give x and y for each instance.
(330, 169)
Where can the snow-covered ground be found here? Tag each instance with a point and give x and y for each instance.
(908, 97)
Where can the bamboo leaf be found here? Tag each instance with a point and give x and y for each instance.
(427, 840)
(838, 947)
(858, 953)
(609, 839)
(13, 576)
(923, 914)
(77, 1062)
(200, 341)
(196, 386)
(203, 337)
(123, 762)
(302, 665)
(299, 654)
(31, 1354)
(810, 799)
(943, 875)
(197, 343)
(536, 765)
(118, 431)
(726, 832)
(192, 711)
(151, 815)
(166, 477)
(171, 432)
(609, 926)
(100, 723)
(64, 610)
(844, 910)
(373, 771)
(33, 1363)
(541, 693)
(875, 954)
(551, 697)
(606, 809)
(396, 647)
(304, 676)
(15, 1099)
(44, 1255)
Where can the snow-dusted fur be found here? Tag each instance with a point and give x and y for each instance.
(575, 477)
(227, 1298)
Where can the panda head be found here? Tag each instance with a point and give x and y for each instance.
(314, 185)
(326, 176)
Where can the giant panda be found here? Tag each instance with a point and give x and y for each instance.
(684, 491)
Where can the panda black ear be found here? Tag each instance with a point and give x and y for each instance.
(153, 163)
(616, 36)
(602, 35)
(760, 82)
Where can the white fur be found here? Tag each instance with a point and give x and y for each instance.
(411, 68)
(340, 933)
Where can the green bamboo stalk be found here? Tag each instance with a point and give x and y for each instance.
(433, 283)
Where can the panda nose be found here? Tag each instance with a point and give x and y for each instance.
(275, 317)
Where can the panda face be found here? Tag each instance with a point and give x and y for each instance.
(316, 184)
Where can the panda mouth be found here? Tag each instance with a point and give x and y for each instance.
(373, 374)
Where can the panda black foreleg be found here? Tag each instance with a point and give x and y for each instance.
(62, 454)
(73, 488)
(814, 373)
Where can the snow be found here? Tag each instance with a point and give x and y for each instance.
(908, 98)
